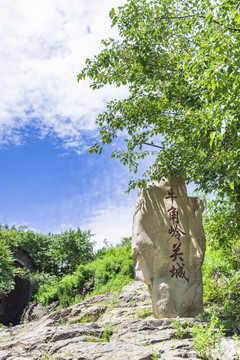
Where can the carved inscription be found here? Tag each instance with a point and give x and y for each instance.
(176, 232)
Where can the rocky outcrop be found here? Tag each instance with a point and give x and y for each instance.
(111, 326)
(168, 246)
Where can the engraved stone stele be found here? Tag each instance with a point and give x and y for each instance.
(168, 246)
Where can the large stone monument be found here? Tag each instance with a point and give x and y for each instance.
(168, 247)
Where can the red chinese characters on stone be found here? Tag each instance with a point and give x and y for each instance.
(176, 252)
(173, 214)
(175, 231)
(171, 195)
(178, 272)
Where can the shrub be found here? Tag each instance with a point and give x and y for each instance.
(181, 329)
(65, 290)
(231, 301)
(48, 291)
(206, 338)
(111, 271)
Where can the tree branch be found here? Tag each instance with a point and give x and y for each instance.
(160, 147)
(189, 16)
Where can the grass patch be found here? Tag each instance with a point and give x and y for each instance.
(142, 314)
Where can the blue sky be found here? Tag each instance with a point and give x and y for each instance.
(48, 180)
(52, 190)
(47, 121)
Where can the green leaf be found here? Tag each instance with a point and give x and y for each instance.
(183, 81)
(237, 18)
(112, 13)
(212, 137)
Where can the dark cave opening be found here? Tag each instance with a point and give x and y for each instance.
(13, 304)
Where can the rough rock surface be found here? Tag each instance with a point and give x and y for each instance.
(168, 246)
(117, 327)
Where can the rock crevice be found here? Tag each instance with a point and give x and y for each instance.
(121, 327)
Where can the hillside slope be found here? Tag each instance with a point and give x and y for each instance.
(110, 326)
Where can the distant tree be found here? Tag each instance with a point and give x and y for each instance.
(39, 248)
(7, 270)
(58, 253)
(8, 239)
(180, 60)
(72, 248)
(126, 241)
(52, 254)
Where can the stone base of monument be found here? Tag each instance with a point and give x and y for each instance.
(168, 246)
(176, 299)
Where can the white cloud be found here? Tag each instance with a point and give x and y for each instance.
(112, 223)
(44, 45)
(97, 203)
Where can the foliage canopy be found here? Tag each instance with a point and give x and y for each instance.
(180, 61)
(57, 253)
(7, 269)
(52, 254)
(111, 269)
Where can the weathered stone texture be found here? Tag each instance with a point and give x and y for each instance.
(168, 247)
(135, 334)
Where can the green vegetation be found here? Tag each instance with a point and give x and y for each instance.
(104, 338)
(221, 268)
(57, 254)
(180, 60)
(67, 268)
(106, 334)
(110, 271)
(236, 340)
(206, 338)
(181, 329)
(48, 356)
(84, 319)
(155, 356)
(7, 270)
(144, 313)
(53, 255)
(91, 338)
(9, 240)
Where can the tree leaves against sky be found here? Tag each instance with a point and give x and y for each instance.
(180, 60)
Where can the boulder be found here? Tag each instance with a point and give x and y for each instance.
(168, 246)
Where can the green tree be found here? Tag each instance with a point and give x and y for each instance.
(57, 253)
(52, 255)
(180, 61)
(9, 239)
(40, 248)
(7, 271)
(221, 222)
(72, 248)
